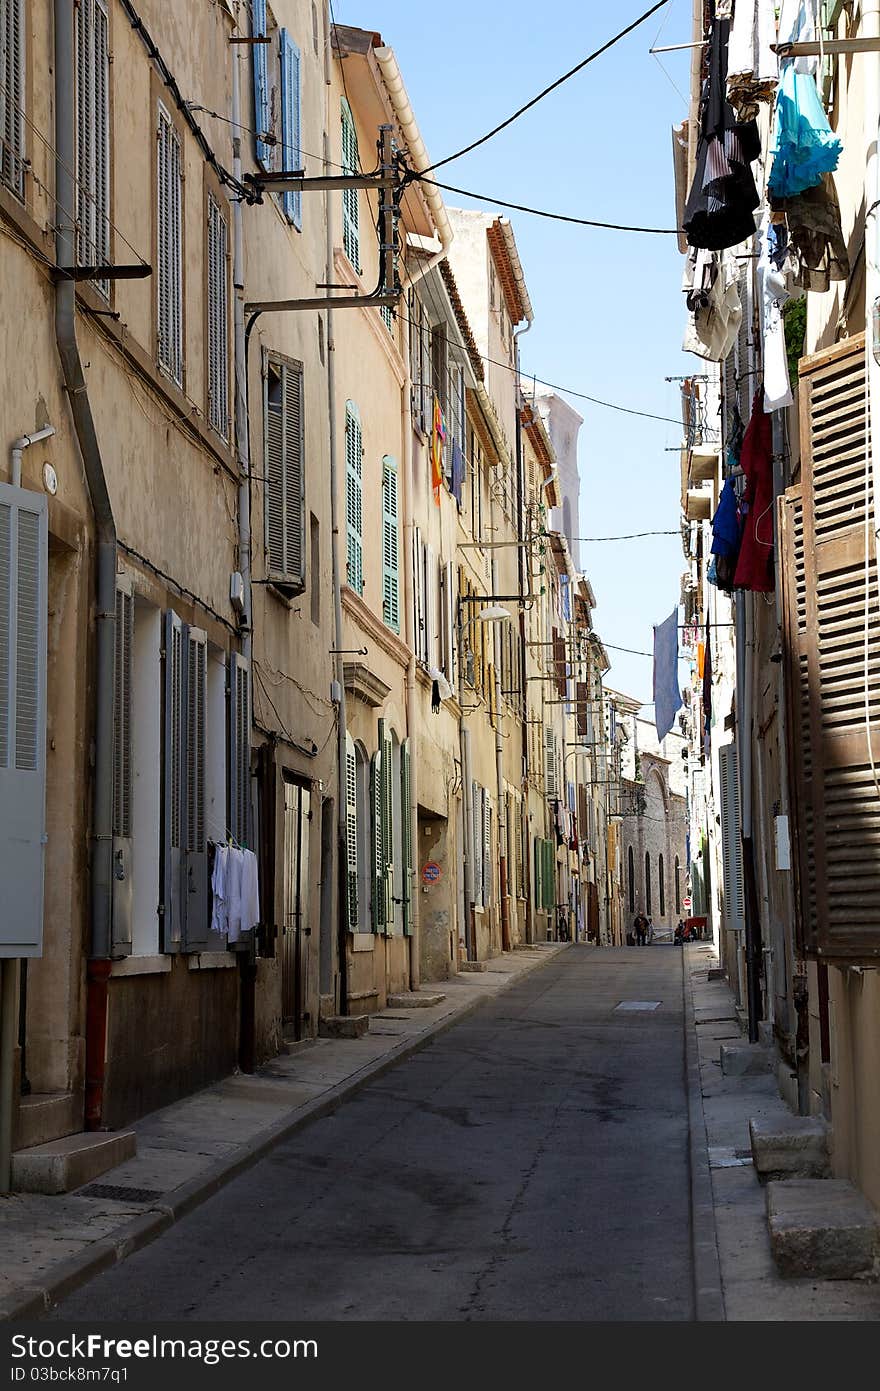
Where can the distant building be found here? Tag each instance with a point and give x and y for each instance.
(563, 426)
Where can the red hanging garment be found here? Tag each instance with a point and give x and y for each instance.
(754, 568)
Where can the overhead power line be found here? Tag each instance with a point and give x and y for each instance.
(629, 536)
(542, 212)
(553, 85)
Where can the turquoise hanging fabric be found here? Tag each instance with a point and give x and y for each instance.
(804, 147)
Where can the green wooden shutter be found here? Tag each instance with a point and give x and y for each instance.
(354, 453)
(390, 546)
(406, 811)
(291, 122)
(351, 833)
(378, 876)
(350, 205)
(390, 804)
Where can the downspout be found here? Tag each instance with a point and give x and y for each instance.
(523, 569)
(336, 578)
(499, 777)
(101, 880)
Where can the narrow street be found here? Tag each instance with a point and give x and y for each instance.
(530, 1164)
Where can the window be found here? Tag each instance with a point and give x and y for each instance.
(631, 870)
(291, 123)
(12, 87)
(218, 318)
(351, 834)
(285, 475)
(350, 205)
(390, 546)
(169, 237)
(264, 91)
(551, 771)
(648, 883)
(387, 314)
(731, 840)
(93, 137)
(661, 886)
(23, 657)
(315, 560)
(354, 452)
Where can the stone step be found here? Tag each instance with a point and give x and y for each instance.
(59, 1166)
(46, 1116)
(414, 999)
(292, 1046)
(822, 1229)
(472, 965)
(344, 1026)
(715, 973)
(789, 1147)
(745, 1059)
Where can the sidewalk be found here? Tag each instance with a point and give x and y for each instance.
(751, 1288)
(189, 1150)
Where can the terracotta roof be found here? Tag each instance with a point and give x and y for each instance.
(462, 321)
(538, 437)
(510, 272)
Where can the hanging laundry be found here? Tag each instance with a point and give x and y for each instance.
(723, 196)
(438, 439)
(457, 484)
(751, 62)
(774, 293)
(816, 240)
(707, 679)
(233, 894)
(803, 145)
(250, 891)
(726, 538)
(667, 692)
(754, 568)
(712, 298)
(219, 890)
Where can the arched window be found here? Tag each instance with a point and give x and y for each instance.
(661, 885)
(677, 886)
(648, 883)
(632, 880)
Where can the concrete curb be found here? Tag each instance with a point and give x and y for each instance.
(30, 1301)
(708, 1293)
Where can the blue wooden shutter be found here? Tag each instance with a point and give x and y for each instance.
(354, 496)
(172, 781)
(390, 546)
(24, 550)
(261, 83)
(291, 122)
(123, 776)
(350, 206)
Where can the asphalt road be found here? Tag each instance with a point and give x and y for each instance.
(529, 1164)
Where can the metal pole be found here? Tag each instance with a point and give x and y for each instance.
(8, 990)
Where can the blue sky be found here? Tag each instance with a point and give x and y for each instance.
(608, 307)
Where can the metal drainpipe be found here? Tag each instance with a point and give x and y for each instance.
(522, 570)
(406, 437)
(101, 870)
(499, 778)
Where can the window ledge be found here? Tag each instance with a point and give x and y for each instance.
(362, 941)
(141, 966)
(211, 961)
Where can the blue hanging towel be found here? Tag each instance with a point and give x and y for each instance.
(804, 147)
(725, 523)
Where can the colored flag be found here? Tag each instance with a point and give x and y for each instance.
(667, 694)
(438, 438)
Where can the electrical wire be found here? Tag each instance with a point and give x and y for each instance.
(553, 85)
(543, 212)
(628, 536)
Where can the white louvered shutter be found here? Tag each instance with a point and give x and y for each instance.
(731, 840)
(239, 758)
(291, 120)
(261, 84)
(93, 137)
(449, 600)
(123, 777)
(351, 834)
(24, 548)
(550, 770)
(431, 606)
(477, 848)
(12, 90)
(285, 475)
(350, 205)
(169, 278)
(218, 318)
(172, 783)
(488, 863)
(390, 546)
(196, 911)
(418, 563)
(354, 503)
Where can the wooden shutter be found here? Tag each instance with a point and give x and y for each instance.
(24, 550)
(172, 784)
(123, 779)
(488, 862)
(285, 475)
(218, 318)
(406, 811)
(351, 833)
(390, 809)
(390, 546)
(477, 846)
(291, 122)
(419, 624)
(354, 497)
(169, 278)
(450, 604)
(538, 846)
(379, 899)
(196, 911)
(582, 709)
(239, 729)
(12, 91)
(261, 84)
(431, 596)
(731, 843)
(829, 552)
(745, 382)
(93, 137)
(550, 769)
(350, 205)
